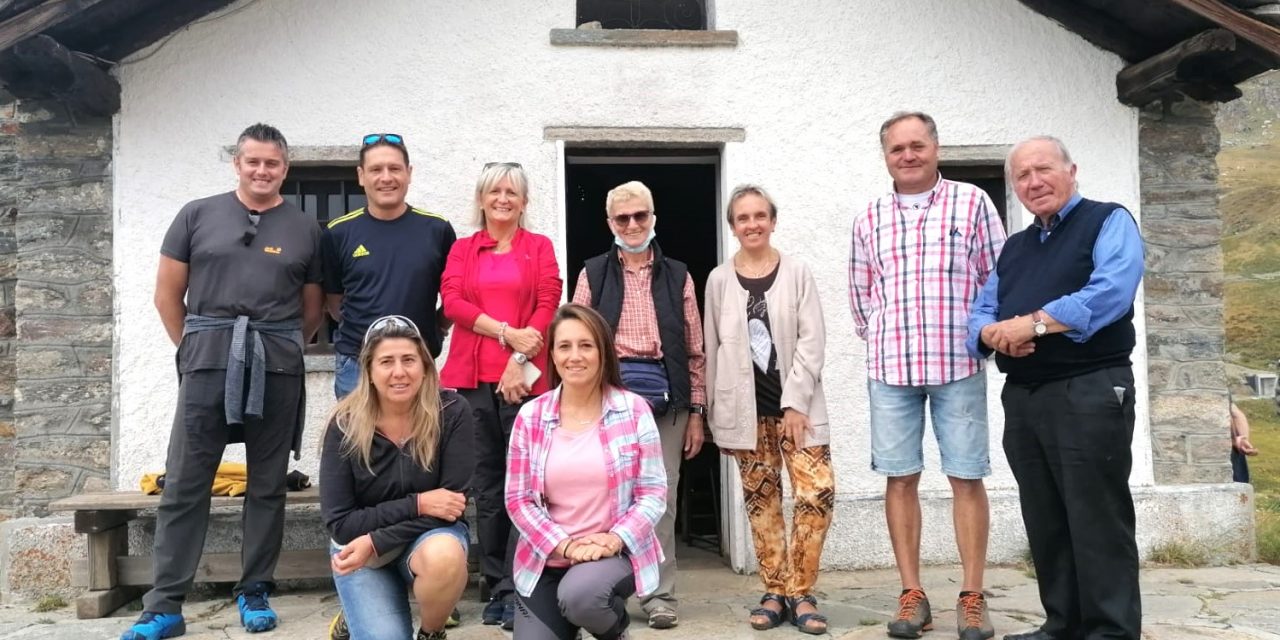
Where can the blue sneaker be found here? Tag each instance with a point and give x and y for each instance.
(154, 626)
(255, 613)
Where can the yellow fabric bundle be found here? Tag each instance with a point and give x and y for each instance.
(231, 479)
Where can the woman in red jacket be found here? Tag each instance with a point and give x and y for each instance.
(501, 287)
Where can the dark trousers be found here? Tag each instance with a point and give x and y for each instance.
(1239, 466)
(493, 421)
(1067, 442)
(196, 444)
(591, 596)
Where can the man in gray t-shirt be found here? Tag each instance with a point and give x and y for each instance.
(240, 268)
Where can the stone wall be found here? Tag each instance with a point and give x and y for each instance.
(9, 175)
(59, 295)
(1185, 339)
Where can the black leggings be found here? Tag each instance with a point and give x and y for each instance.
(493, 421)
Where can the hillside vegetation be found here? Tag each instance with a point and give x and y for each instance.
(1249, 174)
(1250, 179)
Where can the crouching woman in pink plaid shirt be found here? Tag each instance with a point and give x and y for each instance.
(585, 487)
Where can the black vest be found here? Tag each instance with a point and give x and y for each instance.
(1033, 273)
(604, 276)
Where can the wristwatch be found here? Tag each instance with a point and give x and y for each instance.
(1040, 327)
(699, 409)
(520, 358)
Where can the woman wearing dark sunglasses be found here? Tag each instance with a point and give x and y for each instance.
(397, 461)
(500, 288)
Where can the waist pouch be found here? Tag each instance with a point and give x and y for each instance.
(648, 379)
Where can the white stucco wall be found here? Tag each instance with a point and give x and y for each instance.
(469, 82)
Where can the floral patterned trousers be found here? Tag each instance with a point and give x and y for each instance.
(789, 568)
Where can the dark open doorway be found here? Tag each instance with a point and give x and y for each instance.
(989, 178)
(685, 185)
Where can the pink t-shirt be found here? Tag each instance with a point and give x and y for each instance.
(577, 484)
(498, 288)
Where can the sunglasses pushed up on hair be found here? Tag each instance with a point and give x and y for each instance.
(388, 324)
(390, 138)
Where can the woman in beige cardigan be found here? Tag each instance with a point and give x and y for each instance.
(764, 344)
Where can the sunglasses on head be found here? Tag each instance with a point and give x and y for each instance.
(375, 138)
(389, 324)
(512, 165)
(252, 231)
(623, 221)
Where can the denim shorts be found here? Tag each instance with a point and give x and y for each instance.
(959, 413)
(376, 601)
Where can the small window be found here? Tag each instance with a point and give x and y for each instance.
(326, 193)
(689, 15)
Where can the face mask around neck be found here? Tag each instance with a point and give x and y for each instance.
(640, 249)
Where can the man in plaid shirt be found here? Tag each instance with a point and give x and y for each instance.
(920, 255)
(648, 300)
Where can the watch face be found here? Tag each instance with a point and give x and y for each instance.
(1041, 329)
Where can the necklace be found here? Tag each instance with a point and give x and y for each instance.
(564, 415)
(762, 270)
(575, 416)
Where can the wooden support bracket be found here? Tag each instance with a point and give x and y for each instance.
(1179, 69)
(50, 67)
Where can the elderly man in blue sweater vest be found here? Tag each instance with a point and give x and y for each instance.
(1058, 313)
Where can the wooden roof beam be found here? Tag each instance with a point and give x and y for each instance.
(1095, 26)
(1186, 67)
(38, 18)
(1261, 34)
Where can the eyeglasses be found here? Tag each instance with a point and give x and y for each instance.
(510, 165)
(389, 324)
(623, 221)
(252, 231)
(375, 138)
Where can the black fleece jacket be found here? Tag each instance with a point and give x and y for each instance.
(384, 503)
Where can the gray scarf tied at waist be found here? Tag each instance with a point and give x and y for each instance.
(237, 407)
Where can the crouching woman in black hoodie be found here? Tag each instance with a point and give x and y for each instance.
(397, 460)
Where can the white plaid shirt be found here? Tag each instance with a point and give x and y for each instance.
(913, 277)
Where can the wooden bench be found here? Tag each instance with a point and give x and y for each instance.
(114, 577)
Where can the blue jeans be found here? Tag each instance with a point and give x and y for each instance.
(959, 412)
(376, 601)
(346, 372)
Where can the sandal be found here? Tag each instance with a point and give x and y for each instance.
(775, 618)
(801, 621)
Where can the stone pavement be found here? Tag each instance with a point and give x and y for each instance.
(1220, 603)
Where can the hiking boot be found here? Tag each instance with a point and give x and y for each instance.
(492, 613)
(338, 628)
(154, 626)
(914, 617)
(972, 621)
(663, 618)
(255, 612)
